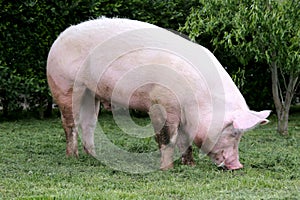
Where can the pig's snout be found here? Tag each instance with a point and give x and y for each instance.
(230, 166)
(221, 161)
(233, 166)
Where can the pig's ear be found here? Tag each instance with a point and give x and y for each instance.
(245, 120)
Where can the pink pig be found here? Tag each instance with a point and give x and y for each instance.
(185, 90)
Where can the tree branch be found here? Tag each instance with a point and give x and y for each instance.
(290, 92)
(275, 92)
(282, 100)
(284, 81)
(297, 84)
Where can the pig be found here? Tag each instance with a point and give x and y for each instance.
(188, 95)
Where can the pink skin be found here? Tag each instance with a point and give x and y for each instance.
(175, 122)
(229, 161)
(225, 152)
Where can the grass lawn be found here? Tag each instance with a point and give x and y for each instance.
(33, 165)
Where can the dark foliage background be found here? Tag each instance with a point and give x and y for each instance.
(28, 28)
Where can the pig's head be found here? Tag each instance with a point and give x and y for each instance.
(225, 151)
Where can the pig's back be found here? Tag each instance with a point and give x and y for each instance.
(73, 45)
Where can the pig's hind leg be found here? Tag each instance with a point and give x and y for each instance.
(70, 129)
(64, 100)
(88, 120)
(63, 96)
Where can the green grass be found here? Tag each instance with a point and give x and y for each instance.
(33, 166)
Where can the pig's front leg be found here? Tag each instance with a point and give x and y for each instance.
(166, 132)
(187, 157)
(184, 144)
(166, 139)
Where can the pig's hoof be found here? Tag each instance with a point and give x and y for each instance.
(167, 167)
(90, 151)
(188, 161)
(70, 153)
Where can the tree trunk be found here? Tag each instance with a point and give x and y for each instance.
(283, 102)
(282, 125)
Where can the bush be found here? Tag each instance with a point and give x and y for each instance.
(28, 29)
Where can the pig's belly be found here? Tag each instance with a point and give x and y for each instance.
(138, 99)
